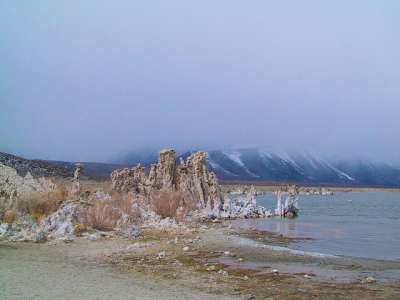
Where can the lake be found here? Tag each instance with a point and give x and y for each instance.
(356, 224)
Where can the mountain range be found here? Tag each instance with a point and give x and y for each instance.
(260, 165)
(242, 165)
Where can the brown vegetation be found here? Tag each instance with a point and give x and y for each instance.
(105, 214)
(102, 215)
(9, 217)
(40, 205)
(171, 204)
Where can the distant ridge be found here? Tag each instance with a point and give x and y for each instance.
(260, 165)
(50, 168)
(37, 168)
(239, 165)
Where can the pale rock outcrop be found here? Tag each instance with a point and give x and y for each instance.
(126, 180)
(101, 196)
(287, 202)
(195, 180)
(14, 186)
(162, 174)
(76, 185)
(244, 206)
(62, 222)
(24, 228)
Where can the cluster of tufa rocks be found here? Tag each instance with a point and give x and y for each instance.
(192, 178)
(244, 206)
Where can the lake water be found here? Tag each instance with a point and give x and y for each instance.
(364, 224)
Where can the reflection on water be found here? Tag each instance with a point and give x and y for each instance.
(350, 224)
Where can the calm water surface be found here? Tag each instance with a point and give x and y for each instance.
(365, 224)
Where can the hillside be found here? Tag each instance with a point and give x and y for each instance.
(47, 168)
(37, 168)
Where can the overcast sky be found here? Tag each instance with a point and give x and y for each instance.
(89, 80)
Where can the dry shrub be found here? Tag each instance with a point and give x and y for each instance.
(40, 204)
(78, 229)
(171, 204)
(9, 217)
(105, 214)
(102, 215)
(124, 202)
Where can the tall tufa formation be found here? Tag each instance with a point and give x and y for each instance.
(76, 184)
(191, 177)
(194, 179)
(133, 179)
(162, 174)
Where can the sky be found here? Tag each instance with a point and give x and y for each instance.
(92, 80)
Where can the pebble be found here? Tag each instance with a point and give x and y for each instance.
(211, 268)
(185, 248)
(227, 253)
(68, 239)
(240, 259)
(369, 279)
(93, 237)
(275, 271)
(162, 254)
(245, 278)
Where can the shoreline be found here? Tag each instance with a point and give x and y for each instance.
(263, 187)
(212, 261)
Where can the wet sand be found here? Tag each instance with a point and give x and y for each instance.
(71, 271)
(218, 263)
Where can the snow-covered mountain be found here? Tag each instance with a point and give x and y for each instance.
(273, 166)
(241, 165)
(261, 165)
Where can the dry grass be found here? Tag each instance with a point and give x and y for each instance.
(40, 205)
(171, 204)
(102, 215)
(124, 202)
(105, 214)
(9, 217)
